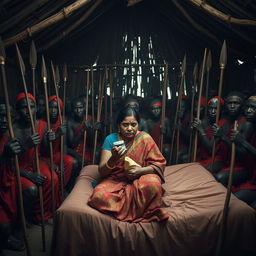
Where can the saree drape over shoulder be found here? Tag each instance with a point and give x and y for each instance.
(138, 200)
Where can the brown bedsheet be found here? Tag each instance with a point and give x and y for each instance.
(194, 201)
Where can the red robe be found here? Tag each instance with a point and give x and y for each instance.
(138, 200)
(27, 163)
(8, 189)
(67, 159)
(79, 148)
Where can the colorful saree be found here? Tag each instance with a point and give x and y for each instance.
(138, 200)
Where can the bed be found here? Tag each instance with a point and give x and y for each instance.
(194, 201)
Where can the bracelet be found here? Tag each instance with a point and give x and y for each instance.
(109, 167)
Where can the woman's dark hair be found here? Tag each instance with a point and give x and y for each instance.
(127, 111)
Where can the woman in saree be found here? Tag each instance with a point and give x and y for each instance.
(130, 192)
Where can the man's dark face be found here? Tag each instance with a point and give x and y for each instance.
(40, 107)
(233, 105)
(53, 110)
(250, 110)
(3, 119)
(22, 109)
(182, 109)
(155, 111)
(133, 104)
(79, 109)
(212, 109)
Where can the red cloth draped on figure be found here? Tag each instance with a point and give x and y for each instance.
(250, 164)
(138, 200)
(79, 148)
(8, 189)
(225, 153)
(27, 163)
(203, 155)
(67, 160)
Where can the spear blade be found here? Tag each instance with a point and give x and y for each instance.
(21, 62)
(65, 72)
(43, 70)
(184, 63)
(2, 50)
(195, 71)
(33, 55)
(209, 61)
(57, 75)
(223, 55)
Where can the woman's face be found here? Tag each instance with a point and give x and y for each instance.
(128, 128)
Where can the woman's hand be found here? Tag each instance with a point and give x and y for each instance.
(134, 173)
(117, 153)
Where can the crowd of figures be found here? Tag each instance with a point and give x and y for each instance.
(78, 129)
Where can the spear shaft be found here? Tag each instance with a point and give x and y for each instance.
(163, 105)
(199, 105)
(86, 114)
(224, 219)
(22, 69)
(16, 160)
(111, 100)
(62, 137)
(44, 76)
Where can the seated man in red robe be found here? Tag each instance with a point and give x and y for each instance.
(30, 178)
(71, 166)
(130, 189)
(79, 130)
(204, 128)
(246, 191)
(233, 107)
(8, 187)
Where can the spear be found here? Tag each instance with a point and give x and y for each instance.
(22, 70)
(16, 160)
(92, 94)
(56, 80)
(195, 76)
(163, 105)
(224, 219)
(111, 100)
(183, 69)
(65, 78)
(86, 114)
(33, 62)
(222, 65)
(100, 96)
(44, 77)
(199, 104)
(208, 67)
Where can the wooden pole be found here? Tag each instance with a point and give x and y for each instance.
(44, 77)
(56, 82)
(208, 68)
(222, 65)
(199, 104)
(111, 100)
(22, 69)
(180, 89)
(33, 62)
(223, 225)
(163, 114)
(16, 160)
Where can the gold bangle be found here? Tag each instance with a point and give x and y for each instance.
(109, 167)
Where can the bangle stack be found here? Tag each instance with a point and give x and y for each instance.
(109, 167)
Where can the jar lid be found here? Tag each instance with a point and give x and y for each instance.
(118, 143)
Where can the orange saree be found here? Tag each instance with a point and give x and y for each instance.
(138, 200)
